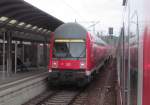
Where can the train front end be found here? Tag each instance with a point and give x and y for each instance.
(68, 55)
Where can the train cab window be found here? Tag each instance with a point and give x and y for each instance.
(60, 50)
(69, 50)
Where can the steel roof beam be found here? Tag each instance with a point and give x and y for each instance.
(27, 37)
(22, 29)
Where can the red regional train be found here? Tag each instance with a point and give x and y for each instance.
(75, 55)
(133, 54)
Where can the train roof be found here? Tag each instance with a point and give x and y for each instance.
(74, 31)
(70, 30)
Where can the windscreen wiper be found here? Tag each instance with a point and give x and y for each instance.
(81, 53)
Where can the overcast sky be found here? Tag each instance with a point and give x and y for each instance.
(107, 13)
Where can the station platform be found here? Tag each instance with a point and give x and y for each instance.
(16, 89)
(6, 78)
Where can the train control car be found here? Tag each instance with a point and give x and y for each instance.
(75, 54)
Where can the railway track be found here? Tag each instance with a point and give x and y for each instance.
(39, 99)
(61, 98)
(80, 99)
(58, 97)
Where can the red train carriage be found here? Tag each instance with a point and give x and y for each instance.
(133, 54)
(75, 54)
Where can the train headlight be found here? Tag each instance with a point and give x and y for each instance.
(82, 64)
(54, 64)
(50, 70)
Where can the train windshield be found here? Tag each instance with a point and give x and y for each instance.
(69, 50)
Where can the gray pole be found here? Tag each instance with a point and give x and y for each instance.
(23, 53)
(4, 52)
(16, 48)
(45, 55)
(9, 54)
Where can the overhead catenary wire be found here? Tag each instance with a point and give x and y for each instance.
(73, 9)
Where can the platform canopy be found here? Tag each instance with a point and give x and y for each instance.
(21, 16)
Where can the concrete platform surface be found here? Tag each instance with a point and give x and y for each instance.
(6, 78)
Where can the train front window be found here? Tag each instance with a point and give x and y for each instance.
(69, 50)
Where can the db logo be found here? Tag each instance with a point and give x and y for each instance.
(68, 64)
